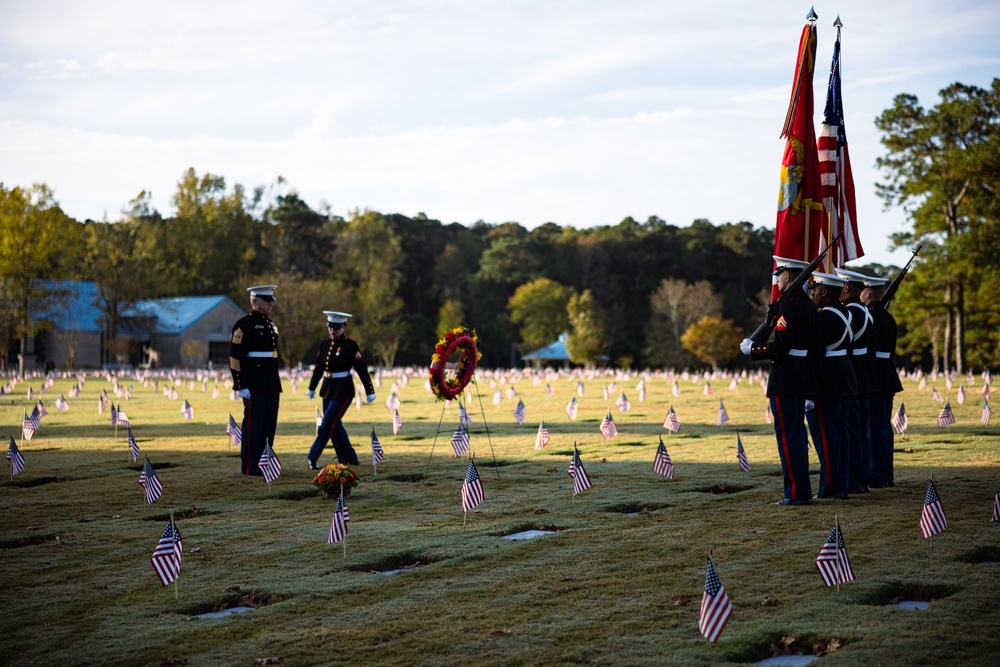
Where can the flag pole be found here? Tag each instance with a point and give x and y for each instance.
(433, 444)
(840, 573)
(269, 483)
(173, 527)
(374, 465)
(24, 417)
(486, 424)
(343, 522)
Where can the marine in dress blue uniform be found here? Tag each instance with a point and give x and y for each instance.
(862, 324)
(880, 402)
(337, 355)
(791, 379)
(253, 362)
(837, 385)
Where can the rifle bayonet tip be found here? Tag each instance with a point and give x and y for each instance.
(812, 16)
(837, 24)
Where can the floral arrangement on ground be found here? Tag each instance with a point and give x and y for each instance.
(329, 479)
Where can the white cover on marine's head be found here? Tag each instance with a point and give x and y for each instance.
(827, 279)
(782, 263)
(872, 281)
(851, 276)
(262, 291)
(336, 317)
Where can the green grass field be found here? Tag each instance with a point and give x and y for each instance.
(610, 587)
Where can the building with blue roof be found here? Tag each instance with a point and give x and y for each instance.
(551, 353)
(179, 331)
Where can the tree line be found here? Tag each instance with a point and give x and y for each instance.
(635, 293)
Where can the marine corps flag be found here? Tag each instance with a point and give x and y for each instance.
(800, 200)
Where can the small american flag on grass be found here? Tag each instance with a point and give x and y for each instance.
(662, 465)
(166, 558)
(30, 424)
(768, 416)
(187, 411)
(463, 415)
(15, 458)
(472, 488)
(121, 419)
(269, 464)
(899, 420)
(608, 428)
(832, 562)
(936, 396)
(932, 519)
(672, 423)
(741, 455)
(519, 412)
(623, 404)
(571, 408)
(986, 412)
(397, 423)
(103, 402)
(61, 404)
(581, 482)
(542, 437)
(723, 415)
(716, 609)
(150, 482)
(460, 440)
(376, 449)
(133, 446)
(235, 432)
(996, 504)
(338, 529)
(946, 418)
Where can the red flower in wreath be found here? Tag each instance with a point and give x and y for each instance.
(445, 383)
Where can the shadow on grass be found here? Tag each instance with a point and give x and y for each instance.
(37, 481)
(893, 591)
(237, 598)
(401, 561)
(31, 540)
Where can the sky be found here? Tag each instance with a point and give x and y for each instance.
(574, 112)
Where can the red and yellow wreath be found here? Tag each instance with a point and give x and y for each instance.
(447, 383)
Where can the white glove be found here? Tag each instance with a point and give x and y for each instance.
(745, 346)
(371, 398)
(243, 393)
(312, 394)
(810, 406)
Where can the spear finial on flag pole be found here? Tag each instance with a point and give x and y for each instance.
(838, 25)
(812, 16)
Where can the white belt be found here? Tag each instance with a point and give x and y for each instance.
(883, 355)
(342, 374)
(836, 353)
(798, 353)
(262, 355)
(860, 351)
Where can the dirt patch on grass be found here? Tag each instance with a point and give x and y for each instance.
(410, 437)
(500, 463)
(401, 561)
(162, 465)
(633, 444)
(403, 477)
(36, 481)
(978, 555)
(893, 592)
(788, 643)
(635, 507)
(520, 528)
(238, 598)
(298, 494)
(31, 540)
(723, 489)
(189, 513)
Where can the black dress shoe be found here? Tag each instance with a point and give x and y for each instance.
(801, 502)
(840, 496)
(312, 465)
(860, 489)
(784, 501)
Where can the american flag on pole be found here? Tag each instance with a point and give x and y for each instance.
(581, 482)
(662, 465)
(460, 440)
(42, 412)
(946, 418)
(835, 173)
(121, 419)
(15, 458)
(30, 424)
(133, 446)
(497, 396)
(605, 392)
(768, 415)
(723, 415)
(235, 432)
(61, 404)
(932, 519)
(642, 392)
(676, 388)
(376, 449)
(397, 423)
(519, 412)
(741, 455)
(114, 415)
(899, 420)
(187, 411)
(31, 392)
(392, 402)
(708, 389)
(672, 423)
(579, 388)
(463, 415)
(549, 393)
(996, 502)
(961, 395)
(936, 396)
(986, 412)
(622, 404)
(150, 482)
(542, 437)
(608, 428)
(103, 402)
(166, 558)
(338, 529)
(269, 464)
(472, 488)
(833, 564)
(715, 606)
(571, 408)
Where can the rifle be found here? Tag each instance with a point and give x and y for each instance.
(763, 332)
(890, 291)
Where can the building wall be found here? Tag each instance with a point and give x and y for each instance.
(57, 348)
(215, 326)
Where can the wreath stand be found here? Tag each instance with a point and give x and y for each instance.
(485, 427)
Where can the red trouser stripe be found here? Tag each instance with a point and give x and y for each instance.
(343, 409)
